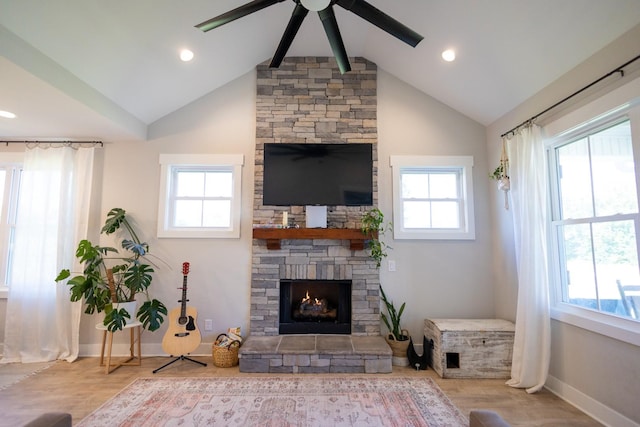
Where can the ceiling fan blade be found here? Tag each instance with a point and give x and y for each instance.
(330, 24)
(298, 15)
(381, 20)
(239, 12)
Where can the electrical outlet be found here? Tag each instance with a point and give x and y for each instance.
(392, 265)
(208, 325)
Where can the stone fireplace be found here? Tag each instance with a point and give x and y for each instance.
(312, 260)
(307, 100)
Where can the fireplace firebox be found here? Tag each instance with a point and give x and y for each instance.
(315, 307)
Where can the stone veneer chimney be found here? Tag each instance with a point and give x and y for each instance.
(308, 100)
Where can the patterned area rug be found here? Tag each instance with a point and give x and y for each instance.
(280, 401)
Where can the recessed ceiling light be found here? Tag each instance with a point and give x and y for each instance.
(7, 114)
(186, 55)
(449, 55)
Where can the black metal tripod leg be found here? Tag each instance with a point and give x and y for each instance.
(167, 364)
(179, 358)
(194, 361)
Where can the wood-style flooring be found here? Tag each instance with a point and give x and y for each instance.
(81, 387)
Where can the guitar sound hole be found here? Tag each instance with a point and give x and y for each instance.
(183, 320)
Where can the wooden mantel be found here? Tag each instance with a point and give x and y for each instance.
(273, 236)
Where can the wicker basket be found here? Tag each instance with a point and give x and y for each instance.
(225, 357)
(399, 348)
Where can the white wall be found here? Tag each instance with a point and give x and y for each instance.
(593, 371)
(218, 283)
(437, 279)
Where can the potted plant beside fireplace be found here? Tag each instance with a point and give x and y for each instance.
(110, 278)
(397, 338)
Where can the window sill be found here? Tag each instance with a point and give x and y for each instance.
(611, 326)
(198, 233)
(424, 234)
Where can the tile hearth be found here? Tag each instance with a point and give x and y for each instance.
(315, 354)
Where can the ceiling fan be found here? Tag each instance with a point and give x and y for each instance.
(328, 18)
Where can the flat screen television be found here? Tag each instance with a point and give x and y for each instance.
(318, 174)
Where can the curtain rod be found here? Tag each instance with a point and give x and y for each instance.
(619, 69)
(65, 143)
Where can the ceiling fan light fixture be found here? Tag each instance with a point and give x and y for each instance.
(315, 5)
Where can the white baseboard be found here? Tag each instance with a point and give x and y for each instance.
(148, 350)
(122, 350)
(588, 405)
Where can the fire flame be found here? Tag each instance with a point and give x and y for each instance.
(307, 300)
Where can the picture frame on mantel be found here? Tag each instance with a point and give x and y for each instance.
(316, 216)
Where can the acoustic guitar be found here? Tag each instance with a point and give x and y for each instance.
(183, 335)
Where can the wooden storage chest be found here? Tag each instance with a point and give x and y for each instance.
(471, 348)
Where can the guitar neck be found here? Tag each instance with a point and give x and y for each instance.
(183, 301)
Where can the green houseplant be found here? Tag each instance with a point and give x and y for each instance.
(398, 338)
(373, 226)
(392, 322)
(110, 277)
(498, 172)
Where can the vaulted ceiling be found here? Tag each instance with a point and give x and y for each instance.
(107, 69)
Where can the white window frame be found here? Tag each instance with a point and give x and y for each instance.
(463, 164)
(622, 101)
(168, 162)
(13, 163)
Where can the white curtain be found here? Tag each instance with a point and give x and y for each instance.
(528, 170)
(42, 324)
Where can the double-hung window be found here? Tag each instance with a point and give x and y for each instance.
(200, 196)
(595, 219)
(10, 174)
(433, 197)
